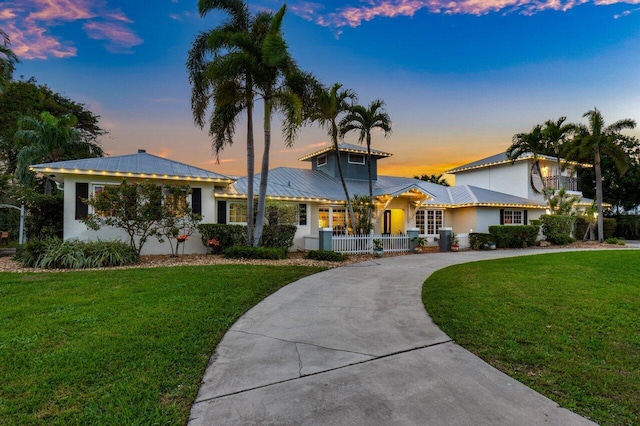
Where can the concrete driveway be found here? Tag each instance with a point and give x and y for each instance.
(355, 346)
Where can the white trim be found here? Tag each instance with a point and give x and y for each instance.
(323, 163)
(356, 162)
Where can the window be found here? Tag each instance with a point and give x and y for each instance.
(175, 201)
(356, 159)
(302, 214)
(321, 160)
(333, 217)
(96, 190)
(237, 212)
(429, 222)
(512, 217)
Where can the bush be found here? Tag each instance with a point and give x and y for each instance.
(628, 226)
(557, 228)
(247, 252)
(514, 236)
(477, 240)
(278, 236)
(328, 255)
(226, 235)
(53, 253)
(608, 224)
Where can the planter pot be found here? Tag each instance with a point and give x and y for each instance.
(378, 253)
(417, 249)
(455, 247)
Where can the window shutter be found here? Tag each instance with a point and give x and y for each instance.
(82, 193)
(222, 212)
(525, 220)
(196, 200)
(302, 214)
(501, 216)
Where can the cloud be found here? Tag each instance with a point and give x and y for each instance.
(354, 16)
(31, 26)
(119, 38)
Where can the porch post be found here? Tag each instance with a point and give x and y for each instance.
(325, 241)
(413, 233)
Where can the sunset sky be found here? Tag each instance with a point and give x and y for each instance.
(459, 77)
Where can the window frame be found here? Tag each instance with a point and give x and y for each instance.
(352, 154)
(92, 193)
(234, 216)
(321, 160)
(509, 217)
(432, 219)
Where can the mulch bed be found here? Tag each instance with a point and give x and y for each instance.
(7, 264)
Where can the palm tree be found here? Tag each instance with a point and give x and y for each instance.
(225, 82)
(49, 139)
(595, 140)
(365, 120)
(329, 104)
(437, 179)
(8, 59)
(555, 135)
(530, 143)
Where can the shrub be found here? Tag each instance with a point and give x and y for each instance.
(226, 235)
(557, 228)
(247, 252)
(608, 224)
(477, 240)
(53, 253)
(328, 255)
(278, 236)
(514, 236)
(612, 240)
(628, 226)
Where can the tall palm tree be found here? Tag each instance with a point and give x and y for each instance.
(329, 104)
(280, 84)
(595, 140)
(221, 66)
(365, 120)
(555, 135)
(530, 143)
(8, 59)
(48, 139)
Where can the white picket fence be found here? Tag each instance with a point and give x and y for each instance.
(359, 244)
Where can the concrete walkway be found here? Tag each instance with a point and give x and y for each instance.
(355, 346)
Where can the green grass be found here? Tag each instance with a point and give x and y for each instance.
(119, 346)
(565, 324)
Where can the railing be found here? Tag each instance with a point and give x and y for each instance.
(359, 244)
(562, 182)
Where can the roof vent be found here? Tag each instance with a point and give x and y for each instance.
(142, 151)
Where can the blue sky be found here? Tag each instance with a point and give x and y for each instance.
(459, 78)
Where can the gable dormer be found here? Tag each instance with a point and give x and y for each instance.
(353, 159)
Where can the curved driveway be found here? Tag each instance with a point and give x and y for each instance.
(355, 346)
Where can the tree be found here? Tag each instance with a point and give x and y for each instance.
(135, 208)
(49, 139)
(225, 83)
(433, 178)
(27, 98)
(329, 104)
(530, 143)
(556, 134)
(596, 140)
(178, 220)
(8, 59)
(365, 120)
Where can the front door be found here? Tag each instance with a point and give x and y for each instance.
(386, 222)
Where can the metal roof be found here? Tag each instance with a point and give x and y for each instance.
(141, 164)
(502, 158)
(312, 185)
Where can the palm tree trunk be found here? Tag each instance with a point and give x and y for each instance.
(264, 173)
(370, 209)
(334, 136)
(250, 168)
(599, 193)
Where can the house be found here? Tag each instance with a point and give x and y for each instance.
(315, 193)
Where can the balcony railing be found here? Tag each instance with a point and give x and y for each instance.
(562, 182)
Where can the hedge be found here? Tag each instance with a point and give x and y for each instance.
(514, 236)
(609, 227)
(478, 240)
(226, 235)
(247, 252)
(278, 236)
(628, 226)
(557, 228)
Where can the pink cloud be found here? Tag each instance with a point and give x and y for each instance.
(31, 25)
(120, 39)
(353, 16)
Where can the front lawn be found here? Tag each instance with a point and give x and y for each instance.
(564, 324)
(119, 346)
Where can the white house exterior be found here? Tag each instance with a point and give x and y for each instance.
(401, 204)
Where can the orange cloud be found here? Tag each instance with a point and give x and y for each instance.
(30, 25)
(354, 16)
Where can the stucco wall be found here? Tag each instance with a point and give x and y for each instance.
(504, 178)
(75, 229)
